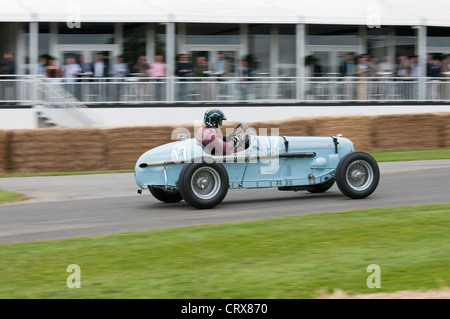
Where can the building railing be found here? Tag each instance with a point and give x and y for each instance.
(29, 90)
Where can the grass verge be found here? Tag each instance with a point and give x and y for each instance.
(290, 257)
(8, 196)
(396, 156)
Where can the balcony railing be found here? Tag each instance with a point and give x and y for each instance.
(28, 90)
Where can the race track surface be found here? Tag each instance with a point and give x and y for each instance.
(87, 205)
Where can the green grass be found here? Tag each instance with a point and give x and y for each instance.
(396, 156)
(8, 196)
(290, 257)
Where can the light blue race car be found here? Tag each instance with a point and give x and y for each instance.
(186, 169)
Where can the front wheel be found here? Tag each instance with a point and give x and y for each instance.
(203, 185)
(357, 175)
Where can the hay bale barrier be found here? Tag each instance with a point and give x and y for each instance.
(56, 150)
(113, 148)
(3, 151)
(407, 132)
(445, 119)
(125, 144)
(356, 128)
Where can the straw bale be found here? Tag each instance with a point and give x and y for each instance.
(407, 132)
(445, 120)
(56, 150)
(3, 151)
(357, 128)
(298, 126)
(125, 144)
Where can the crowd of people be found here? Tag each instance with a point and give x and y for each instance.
(404, 66)
(79, 70)
(184, 67)
(363, 65)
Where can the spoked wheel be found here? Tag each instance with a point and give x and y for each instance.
(203, 185)
(357, 175)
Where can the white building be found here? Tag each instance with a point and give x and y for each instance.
(279, 35)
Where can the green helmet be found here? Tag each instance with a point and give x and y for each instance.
(214, 118)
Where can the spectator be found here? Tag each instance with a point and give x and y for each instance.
(184, 66)
(158, 70)
(201, 68)
(445, 72)
(119, 69)
(362, 70)
(40, 71)
(99, 67)
(70, 70)
(435, 69)
(85, 66)
(347, 70)
(385, 68)
(8, 67)
(183, 69)
(243, 74)
(414, 66)
(429, 63)
(445, 67)
(52, 70)
(403, 67)
(9, 64)
(435, 72)
(141, 67)
(347, 67)
(222, 66)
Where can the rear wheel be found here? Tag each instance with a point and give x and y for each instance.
(165, 196)
(357, 175)
(203, 185)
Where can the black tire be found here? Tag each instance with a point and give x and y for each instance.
(321, 188)
(357, 175)
(203, 185)
(165, 196)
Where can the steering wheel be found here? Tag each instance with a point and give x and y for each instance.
(240, 135)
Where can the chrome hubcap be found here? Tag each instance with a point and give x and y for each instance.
(359, 175)
(205, 182)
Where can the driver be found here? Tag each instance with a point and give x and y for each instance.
(211, 137)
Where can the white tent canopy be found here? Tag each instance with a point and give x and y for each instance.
(356, 12)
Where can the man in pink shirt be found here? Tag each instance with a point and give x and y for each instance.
(158, 70)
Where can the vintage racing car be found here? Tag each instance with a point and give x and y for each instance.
(186, 170)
